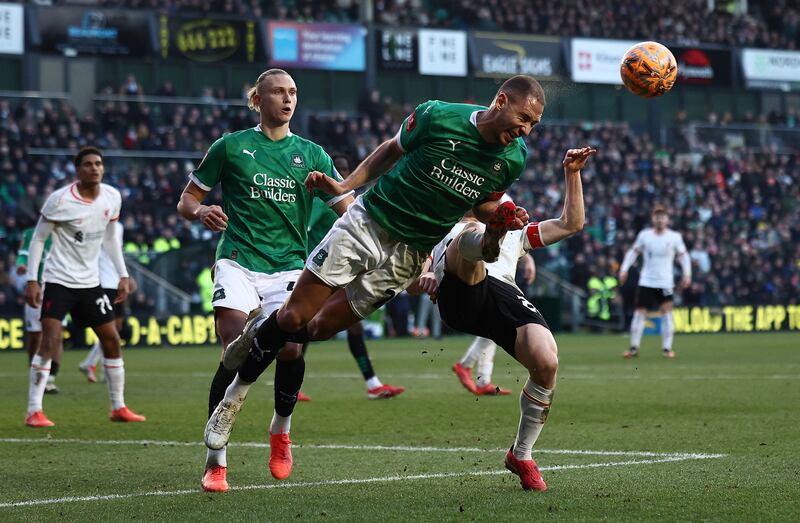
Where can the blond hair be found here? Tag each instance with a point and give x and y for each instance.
(253, 91)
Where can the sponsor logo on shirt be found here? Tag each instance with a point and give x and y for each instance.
(78, 236)
(458, 177)
(453, 143)
(273, 188)
(251, 153)
(219, 294)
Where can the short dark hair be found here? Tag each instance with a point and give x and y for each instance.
(524, 86)
(659, 209)
(86, 151)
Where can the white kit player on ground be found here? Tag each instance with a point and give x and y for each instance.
(660, 247)
(80, 217)
(109, 281)
(481, 352)
(495, 308)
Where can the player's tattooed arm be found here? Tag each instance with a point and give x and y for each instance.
(572, 217)
(373, 167)
(190, 207)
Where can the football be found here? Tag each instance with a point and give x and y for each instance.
(648, 69)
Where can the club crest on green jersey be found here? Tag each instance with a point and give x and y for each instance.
(498, 166)
(298, 160)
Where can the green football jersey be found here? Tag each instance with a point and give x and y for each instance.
(22, 253)
(447, 168)
(263, 196)
(321, 221)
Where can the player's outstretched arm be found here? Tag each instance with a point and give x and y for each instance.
(572, 216)
(33, 292)
(190, 207)
(373, 167)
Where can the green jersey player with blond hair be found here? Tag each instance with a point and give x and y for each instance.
(446, 159)
(263, 220)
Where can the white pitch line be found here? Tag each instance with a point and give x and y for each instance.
(398, 448)
(78, 499)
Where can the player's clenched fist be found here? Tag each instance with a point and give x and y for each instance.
(575, 159)
(212, 217)
(326, 184)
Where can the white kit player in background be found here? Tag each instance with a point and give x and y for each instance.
(109, 281)
(660, 246)
(482, 351)
(80, 217)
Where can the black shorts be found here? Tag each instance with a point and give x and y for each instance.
(88, 307)
(651, 298)
(119, 310)
(490, 309)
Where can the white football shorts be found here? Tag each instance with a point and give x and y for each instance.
(243, 290)
(359, 255)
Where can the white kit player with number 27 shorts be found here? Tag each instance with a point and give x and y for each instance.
(81, 218)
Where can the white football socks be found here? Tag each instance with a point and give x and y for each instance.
(280, 424)
(470, 245)
(237, 390)
(637, 328)
(374, 383)
(534, 405)
(94, 357)
(483, 375)
(217, 458)
(115, 376)
(474, 351)
(40, 372)
(667, 330)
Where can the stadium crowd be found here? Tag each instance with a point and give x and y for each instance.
(738, 208)
(771, 24)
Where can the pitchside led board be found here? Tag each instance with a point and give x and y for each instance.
(397, 49)
(771, 69)
(500, 55)
(88, 30)
(337, 47)
(210, 39)
(442, 52)
(597, 61)
(12, 30)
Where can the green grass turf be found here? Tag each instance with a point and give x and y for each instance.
(737, 395)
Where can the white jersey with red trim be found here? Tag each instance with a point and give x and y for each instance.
(512, 249)
(109, 277)
(80, 227)
(658, 257)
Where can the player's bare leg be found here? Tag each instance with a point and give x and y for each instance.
(40, 371)
(229, 324)
(114, 370)
(637, 329)
(535, 348)
(667, 329)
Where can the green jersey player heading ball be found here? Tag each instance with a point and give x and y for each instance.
(445, 159)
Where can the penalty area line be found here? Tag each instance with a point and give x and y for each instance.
(355, 481)
(335, 446)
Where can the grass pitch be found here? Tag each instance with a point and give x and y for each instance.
(713, 434)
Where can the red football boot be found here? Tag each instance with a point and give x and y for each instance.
(529, 476)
